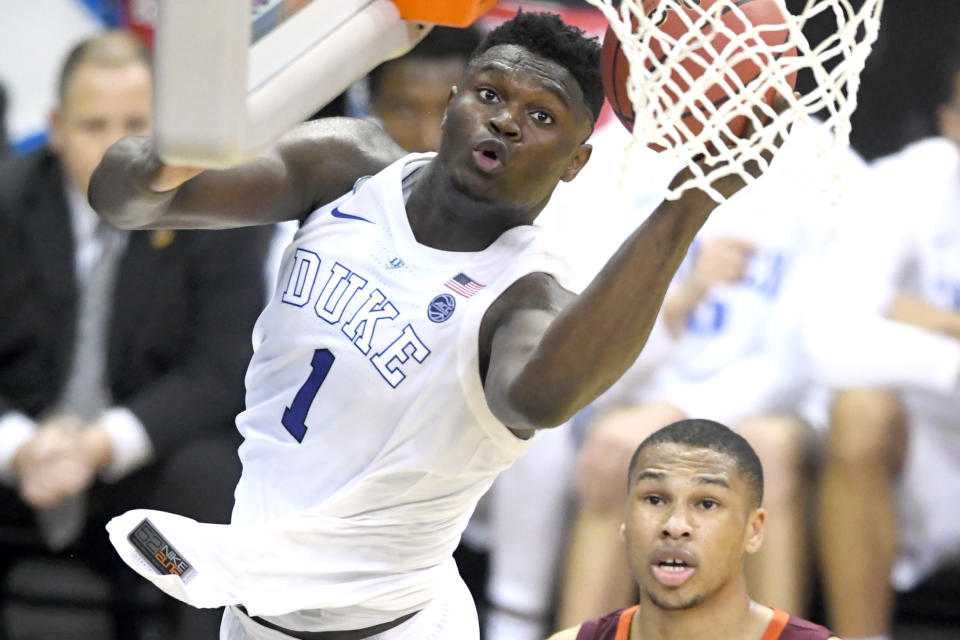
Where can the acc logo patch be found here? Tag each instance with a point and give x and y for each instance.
(441, 307)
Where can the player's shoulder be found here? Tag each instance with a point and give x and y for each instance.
(347, 139)
(325, 157)
(567, 634)
(800, 629)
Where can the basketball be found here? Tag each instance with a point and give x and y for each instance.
(766, 14)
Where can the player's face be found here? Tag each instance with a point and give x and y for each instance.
(101, 105)
(689, 520)
(412, 97)
(516, 126)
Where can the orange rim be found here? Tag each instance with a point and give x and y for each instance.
(451, 13)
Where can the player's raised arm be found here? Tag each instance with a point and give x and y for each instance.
(313, 164)
(551, 353)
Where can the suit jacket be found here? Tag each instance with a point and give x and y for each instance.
(184, 305)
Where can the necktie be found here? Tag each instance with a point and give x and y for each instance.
(86, 393)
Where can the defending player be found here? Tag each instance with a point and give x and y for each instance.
(423, 336)
(692, 514)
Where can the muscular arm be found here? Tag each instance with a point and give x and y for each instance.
(551, 353)
(313, 164)
(546, 354)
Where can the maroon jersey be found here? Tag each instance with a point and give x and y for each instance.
(783, 626)
(787, 627)
(613, 626)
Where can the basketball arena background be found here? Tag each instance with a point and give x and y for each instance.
(901, 84)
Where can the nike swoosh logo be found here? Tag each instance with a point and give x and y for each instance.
(336, 213)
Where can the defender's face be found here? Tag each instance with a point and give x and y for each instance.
(515, 127)
(689, 520)
(101, 105)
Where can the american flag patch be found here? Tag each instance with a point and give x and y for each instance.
(464, 285)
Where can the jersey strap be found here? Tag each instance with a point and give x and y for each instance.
(777, 625)
(623, 624)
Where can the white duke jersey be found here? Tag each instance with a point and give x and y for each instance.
(367, 437)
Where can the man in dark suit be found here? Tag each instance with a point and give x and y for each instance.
(121, 354)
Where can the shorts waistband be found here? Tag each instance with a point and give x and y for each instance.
(348, 634)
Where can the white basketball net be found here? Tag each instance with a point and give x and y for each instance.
(835, 63)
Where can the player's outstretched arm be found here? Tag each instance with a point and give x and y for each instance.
(546, 354)
(551, 353)
(313, 164)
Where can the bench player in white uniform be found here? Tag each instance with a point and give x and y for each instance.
(736, 357)
(417, 344)
(886, 336)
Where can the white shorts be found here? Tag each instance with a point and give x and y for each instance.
(928, 490)
(451, 614)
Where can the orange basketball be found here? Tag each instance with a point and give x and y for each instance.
(616, 69)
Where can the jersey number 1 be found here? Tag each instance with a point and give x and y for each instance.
(295, 415)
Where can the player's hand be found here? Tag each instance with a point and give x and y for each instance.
(731, 184)
(167, 178)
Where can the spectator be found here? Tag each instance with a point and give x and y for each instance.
(885, 336)
(409, 95)
(121, 354)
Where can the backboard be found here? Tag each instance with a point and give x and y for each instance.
(231, 76)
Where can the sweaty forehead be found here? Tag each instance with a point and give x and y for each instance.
(513, 59)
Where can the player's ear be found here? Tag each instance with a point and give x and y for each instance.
(623, 530)
(577, 162)
(754, 533)
(453, 93)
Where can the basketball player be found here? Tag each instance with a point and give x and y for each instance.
(423, 336)
(886, 337)
(514, 590)
(692, 514)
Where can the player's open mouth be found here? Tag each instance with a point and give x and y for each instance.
(673, 568)
(490, 155)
